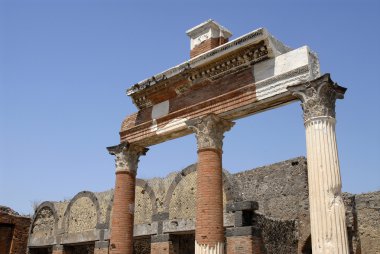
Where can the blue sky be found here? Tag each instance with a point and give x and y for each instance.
(65, 66)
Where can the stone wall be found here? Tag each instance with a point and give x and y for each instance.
(14, 231)
(167, 205)
(368, 221)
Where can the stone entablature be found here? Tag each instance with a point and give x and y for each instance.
(246, 78)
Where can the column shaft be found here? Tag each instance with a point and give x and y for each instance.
(327, 212)
(209, 231)
(123, 213)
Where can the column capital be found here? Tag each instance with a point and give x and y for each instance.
(209, 131)
(127, 156)
(318, 97)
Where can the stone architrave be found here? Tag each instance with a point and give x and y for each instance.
(126, 160)
(327, 212)
(209, 230)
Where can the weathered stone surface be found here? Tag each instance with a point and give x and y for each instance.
(368, 219)
(83, 215)
(279, 189)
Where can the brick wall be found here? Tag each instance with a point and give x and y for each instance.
(162, 248)
(243, 245)
(207, 45)
(14, 230)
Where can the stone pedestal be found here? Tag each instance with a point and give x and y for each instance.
(162, 244)
(126, 158)
(209, 230)
(327, 212)
(101, 247)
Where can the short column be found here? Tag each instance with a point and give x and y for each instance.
(101, 247)
(327, 212)
(162, 244)
(209, 230)
(126, 159)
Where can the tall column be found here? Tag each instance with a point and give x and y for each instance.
(209, 230)
(327, 212)
(126, 159)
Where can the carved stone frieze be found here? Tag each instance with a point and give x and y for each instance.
(318, 97)
(127, 156)
(209, 131)
(232, 64)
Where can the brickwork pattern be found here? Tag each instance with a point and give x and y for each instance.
(123, 213)
(207, 45)
(16, 238)
(243, 245)
(209, 225)
(162, 248)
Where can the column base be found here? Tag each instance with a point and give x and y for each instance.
(218, 248)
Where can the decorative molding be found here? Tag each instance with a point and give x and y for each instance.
(318, 97)
(232, 64)
(127, 156)
(209, 131)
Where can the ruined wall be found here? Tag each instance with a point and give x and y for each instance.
(14, 231)
(368, 221)
(167, 205)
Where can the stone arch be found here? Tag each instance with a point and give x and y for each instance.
(186, 179)
(144, 202)
(44, 221)
(82, 213)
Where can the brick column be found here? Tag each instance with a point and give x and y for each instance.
(327, 212)
(126, 159)
(209, 230)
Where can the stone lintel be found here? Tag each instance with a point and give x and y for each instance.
(58, 247)
(242, 206)
(161, 238)
(101, 244)
(243, 231)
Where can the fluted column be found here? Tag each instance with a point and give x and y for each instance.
(327, 212)
(209, 230)
(126, 160)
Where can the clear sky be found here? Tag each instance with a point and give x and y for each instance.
(65, 66)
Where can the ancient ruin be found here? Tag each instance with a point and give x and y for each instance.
(203, 208)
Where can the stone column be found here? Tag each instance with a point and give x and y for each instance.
(126, 159)
(327, 212)
(209, 230)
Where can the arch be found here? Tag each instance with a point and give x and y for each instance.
(45, 219)
(83, 217)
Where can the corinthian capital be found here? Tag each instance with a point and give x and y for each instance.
(209, 130)
(318, 97)
(127, 156)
